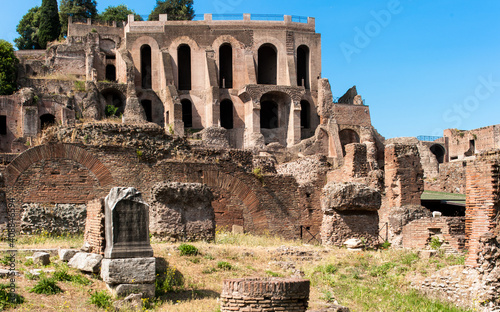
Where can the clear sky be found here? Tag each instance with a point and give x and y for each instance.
(422, 66)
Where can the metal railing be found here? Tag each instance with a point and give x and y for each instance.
(267, 17)
(227, 17)
(428, 138)
(299, 19)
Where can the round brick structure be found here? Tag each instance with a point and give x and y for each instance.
(265, 294)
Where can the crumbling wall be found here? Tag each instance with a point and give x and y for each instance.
(94, 237)
(349, 211)
(53, 218)
(403, 188)
(450, 230)
(482, 200)
(451, 178)
(463, 143)
(182, 211)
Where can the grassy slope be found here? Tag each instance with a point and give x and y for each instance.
(363, 281)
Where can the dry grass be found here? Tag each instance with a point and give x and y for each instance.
(363, 281)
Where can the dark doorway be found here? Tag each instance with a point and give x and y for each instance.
(111, 73)
(305, 114)
(439, 152)
(226, 114)
(303, 66)
(47, 120)
(225, 66)
(268, 115)
(267, 65)
(146, 66)
(148, 109)
(3, 125)
(184, 66)
(348, 136)
(114, 102)
(187, 113)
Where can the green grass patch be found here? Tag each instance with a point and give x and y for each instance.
(101, 299)
(188, 250)
(46, 286)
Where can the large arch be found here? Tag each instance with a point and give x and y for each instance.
(57, 151)
(226, 114)
(439, 151)
(267, 69)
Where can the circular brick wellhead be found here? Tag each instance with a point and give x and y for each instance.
(264, 294)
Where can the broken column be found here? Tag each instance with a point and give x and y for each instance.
(349, 211)
(128, 265)
(182, 211)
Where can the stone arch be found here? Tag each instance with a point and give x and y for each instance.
(244, 193)
(116, 98)
(348, 136)
(226, 66)
(46, 120)
(146, 67)
(184, 66)
(439, 151)
(57, 151)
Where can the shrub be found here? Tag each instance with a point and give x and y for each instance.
(101, 299)
(170, 280)
(110, 110)
(8, 68)
(223, 265)
(81, 280)
(46, 286)
(188, 250)
(62, 275)
(435, 243)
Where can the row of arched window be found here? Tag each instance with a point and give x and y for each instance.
(268, 114)
(267, 68)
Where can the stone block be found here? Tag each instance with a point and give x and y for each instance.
(128, 270)
(86, 262)
(66, 254)
(123, 290)
(354, 243)
(238, 229)
(127, 224)
(349, 196)
(42, 258)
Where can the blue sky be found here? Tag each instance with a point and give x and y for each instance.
(422, 66)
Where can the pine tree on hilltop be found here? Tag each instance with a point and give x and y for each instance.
(175, 9)
(50, 28)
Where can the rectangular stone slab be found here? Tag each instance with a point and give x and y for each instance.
(129, 270)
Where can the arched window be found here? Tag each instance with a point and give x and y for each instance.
(348, 136)
(438, 151)
(146, 66)
(226, 114)
(303, 66)
(305, 114)
(184, 66)
(226, 66)
(47, 120)
(111, 72)
(268, 115)
(115, 102)
(148, 109)
(267, 70)
(187, 113)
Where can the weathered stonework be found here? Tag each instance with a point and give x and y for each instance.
(182, 211)
(58, 218)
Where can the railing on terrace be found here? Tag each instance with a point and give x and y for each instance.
(227, 17)
(428, 138)
(267, 17)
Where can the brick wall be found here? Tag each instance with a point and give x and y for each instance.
(484, 139)
(418, 233)
(450, 179)
(482, 199)
(252, 294)
(94, 226)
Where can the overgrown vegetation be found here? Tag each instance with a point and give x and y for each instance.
(110, 110)
(80, 86)
(101, 299)
(46, 286)
(188, 250)
(6, 299)
(8, 68)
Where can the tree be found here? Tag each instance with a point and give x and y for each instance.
(176, 10)
(28, 30)
(50, 28)
(8, 68)
(77, 9)
(118, 13)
